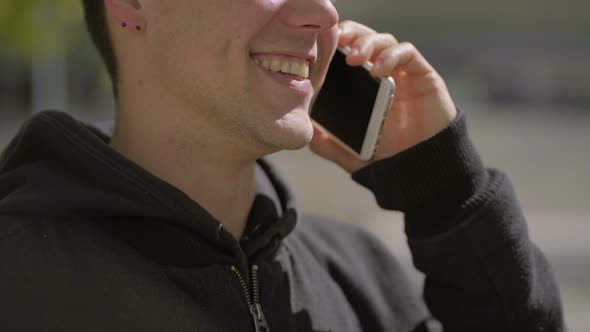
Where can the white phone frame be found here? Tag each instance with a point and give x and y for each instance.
(378, 115)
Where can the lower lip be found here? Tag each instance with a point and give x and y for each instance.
(303, 87)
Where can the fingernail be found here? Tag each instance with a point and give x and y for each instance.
(354, 51)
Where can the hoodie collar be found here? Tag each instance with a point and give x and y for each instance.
(57, 166)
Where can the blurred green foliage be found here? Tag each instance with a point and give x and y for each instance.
(49, 18)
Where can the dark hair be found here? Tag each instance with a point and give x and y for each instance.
(96, 23)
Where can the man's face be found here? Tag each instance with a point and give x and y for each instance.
(210, 55)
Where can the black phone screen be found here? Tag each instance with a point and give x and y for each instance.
(345, 102)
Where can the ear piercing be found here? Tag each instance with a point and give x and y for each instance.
(137, 27)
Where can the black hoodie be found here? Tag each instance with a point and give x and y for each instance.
(90, 241)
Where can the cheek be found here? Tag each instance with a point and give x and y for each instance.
(327, 44)
(189, 44)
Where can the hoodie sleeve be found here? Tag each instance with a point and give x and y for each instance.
(467, 234)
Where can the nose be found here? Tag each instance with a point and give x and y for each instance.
(310, 15)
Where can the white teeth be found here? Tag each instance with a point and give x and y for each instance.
(300, 69)
(305, 70)
(276, 65)
(296, 68)
(266, 64)
(286, 68)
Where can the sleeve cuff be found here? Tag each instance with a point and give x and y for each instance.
(432, 182)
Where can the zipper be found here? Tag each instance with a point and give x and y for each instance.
(260, 324)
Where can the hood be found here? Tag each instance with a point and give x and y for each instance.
(59, 167)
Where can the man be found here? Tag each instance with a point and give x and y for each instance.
(175, 223)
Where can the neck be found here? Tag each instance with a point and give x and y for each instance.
(219, 180)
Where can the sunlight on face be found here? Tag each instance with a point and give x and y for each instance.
(238, 64)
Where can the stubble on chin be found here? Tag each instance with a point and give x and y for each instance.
(295, 131)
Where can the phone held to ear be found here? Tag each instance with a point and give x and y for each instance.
(352, 105)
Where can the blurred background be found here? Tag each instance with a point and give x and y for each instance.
(520, 69)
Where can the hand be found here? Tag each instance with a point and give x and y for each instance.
(421, 106)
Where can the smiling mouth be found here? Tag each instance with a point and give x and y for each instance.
(296, 68)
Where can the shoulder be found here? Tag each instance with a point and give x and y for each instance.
(10, 226)
(24, 238)
(317, 229)
(47, 240)
(331, 240)
(363, 266)
(24, 242)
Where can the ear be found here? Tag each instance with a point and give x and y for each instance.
(126, 12)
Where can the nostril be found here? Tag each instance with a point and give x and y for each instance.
(311, 26)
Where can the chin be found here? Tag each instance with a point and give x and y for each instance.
(294, 132)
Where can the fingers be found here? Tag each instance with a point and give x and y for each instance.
(363, 41)
(382, 49)
(368, 47)
(351, 30)
(405, 55)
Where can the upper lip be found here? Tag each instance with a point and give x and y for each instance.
(310, 57)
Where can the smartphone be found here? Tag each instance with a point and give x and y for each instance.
(352, 105)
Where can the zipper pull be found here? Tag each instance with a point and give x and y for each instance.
(259, 321)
